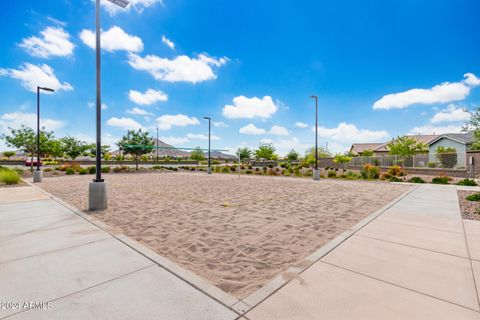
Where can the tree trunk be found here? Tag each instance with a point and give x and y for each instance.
(136, 163)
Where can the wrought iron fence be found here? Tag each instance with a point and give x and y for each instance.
(430, 160)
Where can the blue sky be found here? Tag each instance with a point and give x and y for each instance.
(380, 69)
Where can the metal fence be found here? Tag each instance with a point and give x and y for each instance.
(430, 160)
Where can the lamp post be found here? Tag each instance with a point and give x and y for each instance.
(209, 169)
(97, 190)
(316, 173)
(38, 174)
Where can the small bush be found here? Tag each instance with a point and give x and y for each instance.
(283, 165)
(473, 197)
(157, 167)
(467, 182)
(270, 166)
(369, 172)
(92, 170)
(416, 180)
(83, 171)
(233, 168)
(440, 180)
(117, 169)
(395, 179)
(9, 177)
(225, 169)
(69, 171)
(395, 171)
(47, 170)
(249, 172)
(351, 175)
(385, 176)
(332, 174)
(431, 165)
(105, 169)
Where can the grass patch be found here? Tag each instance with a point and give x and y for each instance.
(473, 197)
(9, 176)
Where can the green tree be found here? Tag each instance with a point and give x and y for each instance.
(341, 159)
(292, 155)
(92, 150)
(197, 155)
(73, 147)
(473, 126)
(136, 143)
(25, 139)
(367, 153)
(266, 151)
(310, 154)
(55, 148)
(8, 154)
(406, 147)
(244, 153)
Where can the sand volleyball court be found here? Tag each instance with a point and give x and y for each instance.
(237, 233)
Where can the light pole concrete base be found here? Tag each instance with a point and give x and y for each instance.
(37, 176)
(97, 196)
(209, 170)
(316, 174)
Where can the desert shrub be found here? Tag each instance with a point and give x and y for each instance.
(283, 165)
(83, 171)
(257, 169)
(467, 182)
(19, 171)
(369, 172)
(416, 180)
(351, 175)
(395, 171)
(9, 176)
(327, 168)
(105, 169)
(92, 170)
(192, 169)
(69, 171)
(395, 179)
(440, 180)
(385, 176)
(175, 169)
(117, 169)
(431, 164)
(216, 169)
(47, 170)
(225, 169)
(249, 172)
(157, 167)
(233, 168)
(332, 174)
(473, 197)
(250, 167)
(58, 168)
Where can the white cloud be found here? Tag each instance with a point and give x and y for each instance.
(137, 5)
(252, 130)
(15, 120)
(442, 93)
(451, 114)
(91, 105)
(148, 97)
(249, 108)
(113, 39)
(301, 125)
(124, 123)
(219, 124)
(181, 68)
(167, 121)
(32, 76)
(279, 131)
(168, 42)
(347, 132)
(138, 112)
(202, 137)
(174, 140)
(53, 42)
(429, 129)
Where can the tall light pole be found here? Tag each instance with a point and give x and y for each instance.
(38, 175)
(209, 169)
(316, 173)
(97, 190)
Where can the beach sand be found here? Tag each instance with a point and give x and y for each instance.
(237, 233)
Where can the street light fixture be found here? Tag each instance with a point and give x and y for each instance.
(209, 169)
(97, 190)
(38, 175)
(316, 173)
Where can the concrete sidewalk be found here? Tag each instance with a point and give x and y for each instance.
(417, 260)
(71, 269)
